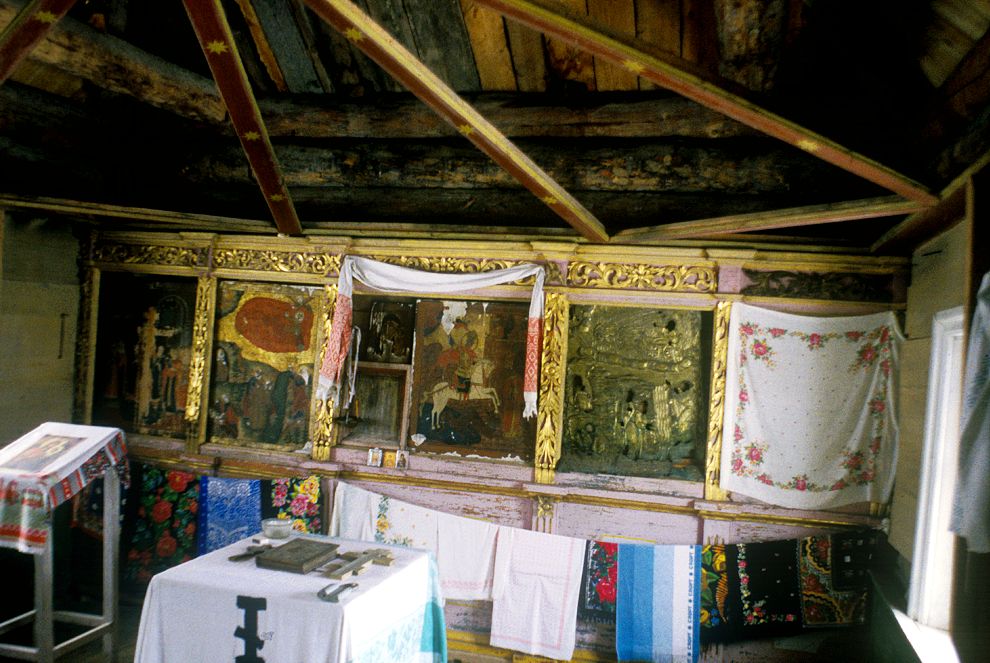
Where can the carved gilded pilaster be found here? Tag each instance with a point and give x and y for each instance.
(323, 432)
(549, 423)
(85, 358)
(197, 401)
(543, 518)
(642, 276)
(720, 349)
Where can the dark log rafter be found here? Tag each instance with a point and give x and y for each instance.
(217, 41)
(26, 30)
(853, 210)
(676, 75)
(402, 65)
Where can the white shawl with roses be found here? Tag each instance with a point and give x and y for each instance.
(810, 408)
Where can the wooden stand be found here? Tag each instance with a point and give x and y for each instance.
(44, 615)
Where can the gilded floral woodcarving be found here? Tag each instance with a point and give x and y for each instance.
(550, 416)
(668, 278)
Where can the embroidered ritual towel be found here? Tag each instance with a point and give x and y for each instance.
(657, 603)
(393, 278)
(46, 467)
(599, 582)
(465, 557)
(229, 510)
(536, 589)
(809, 408)
(354, 513)
(821, 603)
(766, 587)
(298, 500)
(971, 506)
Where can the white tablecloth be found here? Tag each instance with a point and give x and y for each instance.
(191, 612)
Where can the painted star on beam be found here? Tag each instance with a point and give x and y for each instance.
(354, 34)
(45, 17)
(633, 66)
(252, 136)
(277, 197)
(217, 47)
(549, 200)
(809, 145)
(466, 129)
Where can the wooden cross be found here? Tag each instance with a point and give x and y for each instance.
(357, 562)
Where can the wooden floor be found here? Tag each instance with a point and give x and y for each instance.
(127, 628)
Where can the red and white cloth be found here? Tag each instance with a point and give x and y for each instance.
(46, 467)
(810, 408)
(392, 278)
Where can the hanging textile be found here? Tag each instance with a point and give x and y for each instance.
(164, 533)
(717, 600)
(766, 587)
(229, 510)
(354, 513)
(537, 585)
(657, 603)
(809, 408)
(298, 500)
(465, 557)
(403, 524)
(821, 603)
(600, 582)
(971, 505)
(392, 278)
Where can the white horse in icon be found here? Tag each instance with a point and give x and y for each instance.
(443, 393)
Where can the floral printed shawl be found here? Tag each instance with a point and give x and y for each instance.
(809, 408)
(298, 500)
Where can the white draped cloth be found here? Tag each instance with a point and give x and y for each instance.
(536, 590)
(971, 506)
(810, 418)
(392, 278)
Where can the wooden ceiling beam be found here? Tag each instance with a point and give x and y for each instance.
(27, 30)
(377, 44)
(114, 65)
(217, 41)
(677, 75)
(794, 217)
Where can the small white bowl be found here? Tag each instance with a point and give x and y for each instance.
(276, 528)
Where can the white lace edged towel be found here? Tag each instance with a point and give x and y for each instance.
(537, 582)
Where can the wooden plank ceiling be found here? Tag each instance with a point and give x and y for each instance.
(633, 121)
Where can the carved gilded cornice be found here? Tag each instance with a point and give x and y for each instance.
(643, 276)
(163, 255)
(317, 263)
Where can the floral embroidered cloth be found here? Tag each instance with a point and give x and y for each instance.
(298, 500)
(164, 532)
(809, 408)
(821, 603)
(600, 582)
(657, 608)
(766, 584)
(229, 510)
(46, 467)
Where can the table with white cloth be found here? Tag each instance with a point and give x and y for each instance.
(215, 609)
(39, 471)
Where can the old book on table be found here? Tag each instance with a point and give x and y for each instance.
(298, 556)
